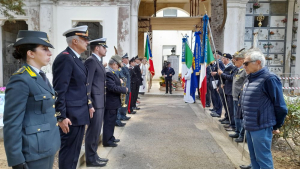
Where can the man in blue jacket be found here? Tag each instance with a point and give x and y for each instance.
(263, 107)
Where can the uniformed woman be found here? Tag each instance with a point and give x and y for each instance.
(31, 137)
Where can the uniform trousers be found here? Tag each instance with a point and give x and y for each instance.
(70, 147)
(217, 104)
(208, 95)
(110, 117)
(44, 163)
(123, 110)
(168, 84)
(92, 136)
(223, 96)
(134, 94)
(229, 100)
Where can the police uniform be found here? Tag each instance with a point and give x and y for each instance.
(217, 104)
(133, 86)
(31, 137)
(136, 86)
(96, 93)
(168, 79)
(70, 83)
(113, 91)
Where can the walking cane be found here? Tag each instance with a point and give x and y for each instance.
(244, 144)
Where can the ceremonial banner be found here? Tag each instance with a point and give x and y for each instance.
(205, 59)
(148, 55)
(195, 65)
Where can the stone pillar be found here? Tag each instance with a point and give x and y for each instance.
(297, 64)
(235, 26)
(289, 37)
(46, 25)
(1, 54)
(134, 28)
(141, 46)
(124, 30)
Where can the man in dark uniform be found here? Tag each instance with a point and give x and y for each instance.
(70, 83)
(215, 77)
(125, 70)
(113, 92)
(139, 81)
(168, 72)
(227, 77)
(133, 84)
(96, 93)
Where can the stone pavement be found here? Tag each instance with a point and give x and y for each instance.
(168, 133)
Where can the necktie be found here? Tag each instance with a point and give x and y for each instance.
(44, 78)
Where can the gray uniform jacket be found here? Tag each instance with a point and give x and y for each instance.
(238, 82)
(96, 80)
(30, 131)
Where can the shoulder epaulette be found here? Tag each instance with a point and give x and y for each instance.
(66, 53)
(30, 72)
(20, 71)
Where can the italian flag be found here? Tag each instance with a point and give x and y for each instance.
(208, 59)
(148, 55)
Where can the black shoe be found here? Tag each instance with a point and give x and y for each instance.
(132, 112)
(97, 163)
(235, 135)
(215, 115)
(207, 105)
(226, 126)
(245, 166)
(102, 159)
(117, 140)
(212, 110)
(120, 124)
(125, 118)
(110, 145)
(230, 129)
(239, 140)
(138, 98)
(225, 122)
(136, 108)
(222, 120)
(170, 93)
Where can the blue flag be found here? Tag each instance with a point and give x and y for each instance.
(183, 49)
(196, 65)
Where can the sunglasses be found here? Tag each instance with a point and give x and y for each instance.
(247, 63)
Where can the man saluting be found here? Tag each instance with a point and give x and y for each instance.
(70, 83)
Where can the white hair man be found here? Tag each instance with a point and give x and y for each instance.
(263, 107)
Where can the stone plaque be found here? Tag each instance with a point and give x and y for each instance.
(277, 59)
(249, 21)
(278, 7)
(263, 34)
(276, 47)
(174, 60)
(262, 46)
(264, 9)
(276, 70)
(276, 21)
(277, 34)
(249, 8)
(247, 45)
(248, 34)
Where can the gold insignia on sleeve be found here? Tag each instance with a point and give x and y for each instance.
(89, 102)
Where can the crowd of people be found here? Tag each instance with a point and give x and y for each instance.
(252, 98)
(40, 119)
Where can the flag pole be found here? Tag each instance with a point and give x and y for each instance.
(212, 39)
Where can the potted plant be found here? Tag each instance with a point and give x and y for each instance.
(271, 33)
(162, 83)
(295, 19)
(284, 20)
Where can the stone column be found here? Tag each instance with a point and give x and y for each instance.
(235, 26)
(297, 64)
(134, 28)
(1, 53)
(46, 25)
(124, 30)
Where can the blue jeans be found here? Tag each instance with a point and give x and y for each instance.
(259, 145)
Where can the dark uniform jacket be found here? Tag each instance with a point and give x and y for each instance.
(70, 83)
(133, 76)
(138, 72)
(96, 82)
(214, 68)
(167, 71)
(30, 131)
(113, 90)
(227, 77)
(126, 73)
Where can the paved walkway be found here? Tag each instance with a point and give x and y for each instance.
(168, 133)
